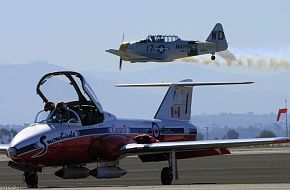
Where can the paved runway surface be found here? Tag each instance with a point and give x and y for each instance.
(199, 173)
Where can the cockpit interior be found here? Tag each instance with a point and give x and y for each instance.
(68, 99)
(160, 38)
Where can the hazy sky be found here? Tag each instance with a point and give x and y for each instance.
(75, 34)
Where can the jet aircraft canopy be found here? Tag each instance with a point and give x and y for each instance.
(70, 89)
(161, 38)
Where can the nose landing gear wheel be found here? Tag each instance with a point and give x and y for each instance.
(212, 57)
(31, 179)
(166, 176)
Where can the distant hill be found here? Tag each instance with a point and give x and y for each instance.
(266, 95)
(19, 102)
(233, 120)
(18, 99)
(249, 125)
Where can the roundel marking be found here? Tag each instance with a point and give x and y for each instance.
(155, 130)
(161, 49)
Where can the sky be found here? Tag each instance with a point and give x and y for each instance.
(74, 34)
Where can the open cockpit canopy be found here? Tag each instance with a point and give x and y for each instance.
(72, 89)
(161, 38)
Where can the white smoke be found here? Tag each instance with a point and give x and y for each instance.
(247, 61)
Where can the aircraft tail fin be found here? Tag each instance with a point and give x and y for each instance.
(217, 36)
(176, 104)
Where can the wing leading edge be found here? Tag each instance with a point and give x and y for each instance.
(4, 148)
(164, 147)
(128, 56)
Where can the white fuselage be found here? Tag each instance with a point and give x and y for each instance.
(64, 143)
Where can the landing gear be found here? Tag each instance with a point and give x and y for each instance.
(166, 176)
(31, 179)
(212, 57)
(171, 172)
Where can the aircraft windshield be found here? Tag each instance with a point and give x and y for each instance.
(162, 38)
(57, 116)
(42, 116)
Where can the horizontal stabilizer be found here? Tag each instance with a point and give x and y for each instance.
(176, 104)
(181, 84)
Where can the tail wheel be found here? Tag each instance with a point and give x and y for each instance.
(166, 176)
(31, 179)
(212, 57)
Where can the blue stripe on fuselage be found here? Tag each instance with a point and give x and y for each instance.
(141, 130)
(96, 131)
(93, 131)
(173, 131)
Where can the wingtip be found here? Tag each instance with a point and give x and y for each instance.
(285, 140)
(109, 50)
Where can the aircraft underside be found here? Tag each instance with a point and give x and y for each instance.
(73, 154)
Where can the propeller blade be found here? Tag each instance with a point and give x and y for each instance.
(120, 64)
(123, 37)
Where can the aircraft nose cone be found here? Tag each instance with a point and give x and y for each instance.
(123, 46)
(12, 152)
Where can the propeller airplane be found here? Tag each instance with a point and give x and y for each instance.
(168, 48)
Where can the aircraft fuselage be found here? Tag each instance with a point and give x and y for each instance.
(55, 144)
(166, 51)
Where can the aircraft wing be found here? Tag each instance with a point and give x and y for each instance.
(131, 56)
(116, 52)
(181, 83)
(164, 147)
(4, 148)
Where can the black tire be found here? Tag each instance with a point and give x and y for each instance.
(31, 179)
(166, 176)
(212, 57)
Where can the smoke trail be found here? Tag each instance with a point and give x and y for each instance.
(249, 62)
(227, 55)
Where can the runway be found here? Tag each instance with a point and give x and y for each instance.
(263, 170)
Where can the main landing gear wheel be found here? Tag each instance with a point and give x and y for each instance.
(212, 57)
(171, 172)
(166, 176)
(31, 179)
